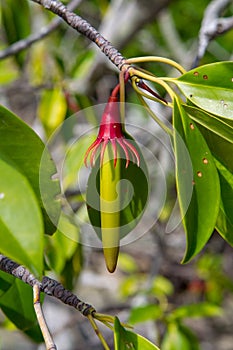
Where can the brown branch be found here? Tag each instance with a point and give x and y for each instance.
(47, 285)
(56, 289)
(33, 38)
(85, 28)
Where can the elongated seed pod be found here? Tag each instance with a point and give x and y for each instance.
(114, 153)
(110, 207)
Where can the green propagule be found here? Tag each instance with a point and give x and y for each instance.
(113, 147)
(111, 141)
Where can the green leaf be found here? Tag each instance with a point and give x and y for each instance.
(21, 226)
(220, 148)
(127, 340)
(224, 223)
(204, 309)
(161, 287)
(8, 72)
(216, 125)
(210, 87)
(179, 337)
(127, 263)
(131, 285)
(145, 313)
(6, 281)
(219, 136)
(134, 190)
(17, 304)
(16, 23)
(62, 245)
(200, 219)
(20, 145)
(52, 109)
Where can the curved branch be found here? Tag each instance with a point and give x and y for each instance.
(33, 38)
(85, 28)
(212, 26)
(47, 285)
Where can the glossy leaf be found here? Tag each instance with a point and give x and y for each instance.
(200, 219)
(179, 337)
(220, 127)
(210, 87)
(224, 223)
(21, 226)
(17, 304)
(127, 340)
(219, 136)
(220, 148)
(21, 146)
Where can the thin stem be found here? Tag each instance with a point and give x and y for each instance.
(122, 97)
(150, 77)
(140, 92)
(98, 333)
(153, 115)
(49, 343)
(108, 319)
(156, 59)
(103, 317)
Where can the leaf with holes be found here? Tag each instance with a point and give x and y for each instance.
(219, 126)
(210, 87)
(200, 218)
(220, 148)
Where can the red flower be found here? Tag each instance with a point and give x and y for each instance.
(111, 131)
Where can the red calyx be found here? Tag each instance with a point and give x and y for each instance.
(111, 131)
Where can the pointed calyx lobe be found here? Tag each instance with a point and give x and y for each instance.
(111, 131)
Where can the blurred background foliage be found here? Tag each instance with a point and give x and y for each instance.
(178, 307)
